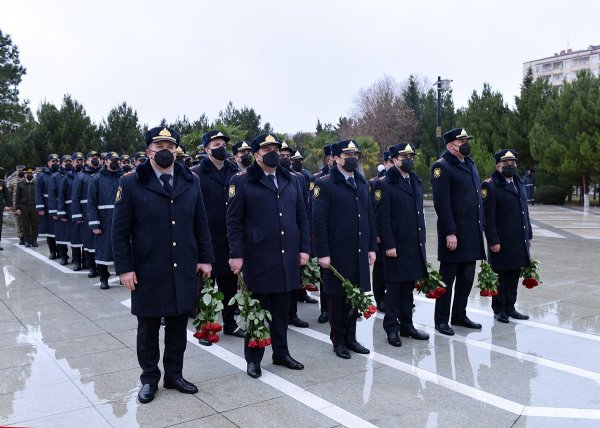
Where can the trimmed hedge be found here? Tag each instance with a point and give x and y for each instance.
(550, 195)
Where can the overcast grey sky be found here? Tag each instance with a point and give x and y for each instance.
(292, 61)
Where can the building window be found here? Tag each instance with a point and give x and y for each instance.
(557, 66)
(538, 69)
(594, 59)
(546, 67)
(567, 77)
(567, 64)
(583, 62)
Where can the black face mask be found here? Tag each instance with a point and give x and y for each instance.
(126, 168)
(114, 165)
(20, 174)
(271, 159)
(465, 149)
(285, 162)
(164, 158)
(407, 165)
(54, 167)
(350, 164)
(29, 177)
(95, 162)
(78, 167)
(68, 167)
(246, 159)
(219, 153)
(509, 170)
(297, 166)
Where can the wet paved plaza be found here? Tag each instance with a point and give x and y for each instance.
(67, 355)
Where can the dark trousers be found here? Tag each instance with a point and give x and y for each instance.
(279, 305)
(379, 286)
(508, 281)
(463, 273)
(51, 244)
(90, 259)
(29, 223)
(148, 351)
(293, 311)
(228, 286)
(103, 271)
(398, 306)
(322, 296)
(341, 321)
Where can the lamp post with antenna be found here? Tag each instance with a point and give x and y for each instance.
(442, 85)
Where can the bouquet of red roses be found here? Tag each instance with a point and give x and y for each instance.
(530, 275)
(209, 305)
(310, 275)
(487, 280)
(253, 318)
(432, 285)
(359, 300)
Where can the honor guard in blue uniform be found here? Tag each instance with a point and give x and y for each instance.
(327, 164)
(297, 165)
(215, 173)
(161, 243)
(125, 161)
(42, 190)
(101, 203)
(61, 232)
(457, 201)
(378, 276)
(507, 231)
(65, 209)
(398, 197)
(268, 234)
(139, 157)
(242, 155)
(79, 216)
(345, 237)
(285, 155)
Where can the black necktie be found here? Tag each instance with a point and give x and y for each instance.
(352, 182)
(165, 178)
(272, 178)
(408, 180)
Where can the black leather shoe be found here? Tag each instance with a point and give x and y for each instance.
(103, 284)
(307, 298)
(444, 328)
(295, 321)
(147, 392)
(77, 267)
(342, 352)
(27, 245)
(240, 332)
(289, 362)
(21, 241)
(53, 256)
(34, 244)
(501, 317)
(93, 273)
(64, 261)
(413, 333)
(381, 307)
(467, 323)
(394, 340)
(253, 370)
(323, 318)
(181, 385)
(358, 348)
(518, 316)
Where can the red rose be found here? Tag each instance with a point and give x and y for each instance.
(269, 341)
(252, 344)
(530, 282)
(440, 291)
(367, 314)
(418, 286)
(213, 338)
(372, 309)
(201, 334)
(217, 327)
(431, 295)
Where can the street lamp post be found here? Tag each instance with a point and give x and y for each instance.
(442, 86)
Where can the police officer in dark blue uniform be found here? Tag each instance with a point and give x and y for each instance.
(507, 231)
(242, 155)
(398, 197)
(345, 237)
(139, 157)
(65, 205)
(457, 201)
(79, 196)
(63, 239)
(42, 189)
(161, 242)
(101, 203)
(268, 234)
(327, 164)
(215, 174)
(297, 165)
(378, 275)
